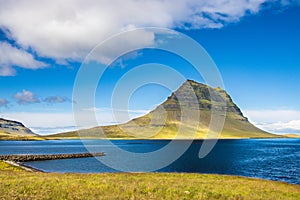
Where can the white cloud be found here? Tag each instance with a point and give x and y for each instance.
(116, 110)
(268, 116)
(49, 123)
(11, 56)
(276, 121)
(69, 29)
(54, 122)
(283, 127)
(56, 99)
(118, 115)
(26, 97)
(51, 130)
(3, 102)
(36, 119)
(106, 54)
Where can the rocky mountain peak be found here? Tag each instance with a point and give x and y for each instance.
(206, 96)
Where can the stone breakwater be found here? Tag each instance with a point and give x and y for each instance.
(26, 158)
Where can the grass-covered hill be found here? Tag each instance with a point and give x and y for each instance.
(13, 130)
(165, 121)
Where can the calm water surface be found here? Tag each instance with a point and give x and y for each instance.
(274, 159)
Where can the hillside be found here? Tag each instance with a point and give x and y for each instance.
(164, 121)
(13, 130)
(292, 135)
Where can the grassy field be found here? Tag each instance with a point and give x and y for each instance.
(18, 184)
(292, 135)
(8, 136)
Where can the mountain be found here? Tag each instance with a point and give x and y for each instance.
(166, 119)
(13, 130)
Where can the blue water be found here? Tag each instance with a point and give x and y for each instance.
(274, 159)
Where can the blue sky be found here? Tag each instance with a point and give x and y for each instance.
(256, 47)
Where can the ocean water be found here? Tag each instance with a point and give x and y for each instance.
(273, 159)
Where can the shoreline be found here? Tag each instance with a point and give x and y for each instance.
(175, 139)
(23, 166)
(44, 138)
(32, 169)
(20, 184)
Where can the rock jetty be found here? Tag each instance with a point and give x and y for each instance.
(38, 157)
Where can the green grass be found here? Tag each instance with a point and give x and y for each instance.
(5, 167)
(9, 136)
(18, 184)
(292, 135)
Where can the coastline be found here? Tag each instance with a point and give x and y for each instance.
(178, 139)
(52, 168)
(32, 169)
(23, 166)
(220, 138)
(49, 137)
(20, 183)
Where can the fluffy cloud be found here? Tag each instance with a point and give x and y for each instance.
(3, 102)
(276, 121)
(292, 126)
(49, 123)
(56, 99)
(26, 97)
(11, 56)
(270, 116)
(69, 29)
(44, 123)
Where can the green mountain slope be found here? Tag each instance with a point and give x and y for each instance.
(165, 121)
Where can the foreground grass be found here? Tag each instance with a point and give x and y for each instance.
(18, 184)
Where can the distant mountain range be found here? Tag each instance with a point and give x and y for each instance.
(235, 126)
